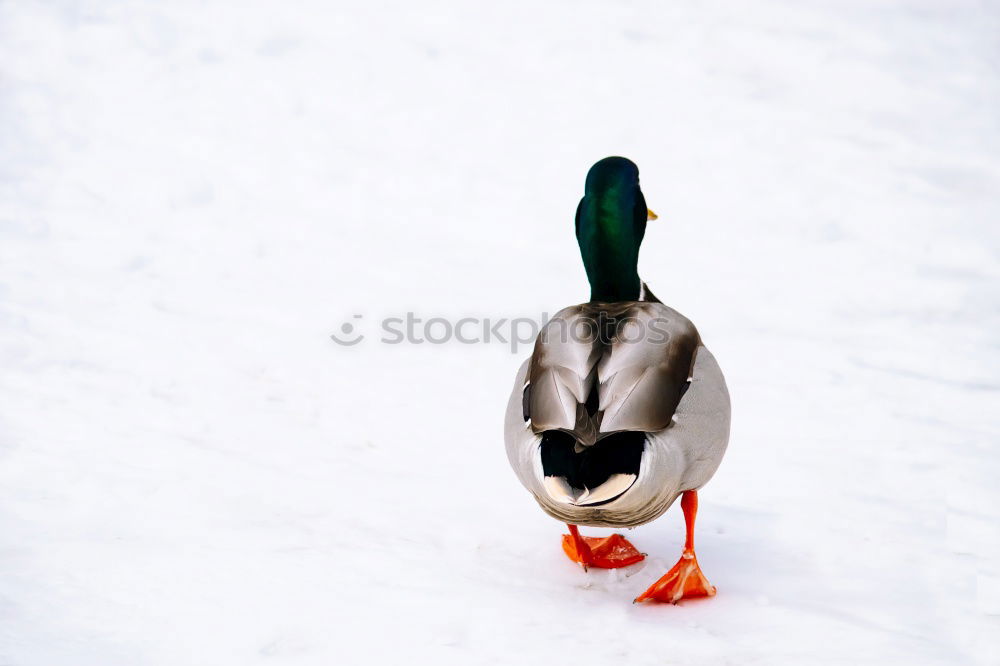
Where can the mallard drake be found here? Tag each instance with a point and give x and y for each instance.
(620, 409)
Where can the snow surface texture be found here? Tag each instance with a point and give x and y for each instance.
(195, 196)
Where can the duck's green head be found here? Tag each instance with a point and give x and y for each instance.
(610, 223)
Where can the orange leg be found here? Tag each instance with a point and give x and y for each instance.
(602, 552)
(685, 580)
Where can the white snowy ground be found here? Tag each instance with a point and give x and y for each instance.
(194, 196)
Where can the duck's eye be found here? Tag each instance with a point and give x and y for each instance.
(526, 403)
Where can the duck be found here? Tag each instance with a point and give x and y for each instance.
(621, 408)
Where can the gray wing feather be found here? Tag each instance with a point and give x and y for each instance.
(636, 356)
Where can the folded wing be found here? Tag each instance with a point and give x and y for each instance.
(600, 368)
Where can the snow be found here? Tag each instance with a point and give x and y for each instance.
(194, 196)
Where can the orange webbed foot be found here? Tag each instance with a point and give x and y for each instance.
(602, 552)
(684, 581)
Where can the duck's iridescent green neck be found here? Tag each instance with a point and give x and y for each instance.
(610, 224)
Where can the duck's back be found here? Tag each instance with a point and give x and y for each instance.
(602, 368)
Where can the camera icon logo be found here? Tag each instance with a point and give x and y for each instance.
(348, 334)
